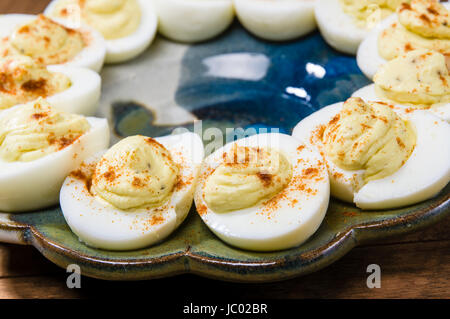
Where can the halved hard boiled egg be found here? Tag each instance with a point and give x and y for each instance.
(193, 20)
(39, 147)
(417, 80)
(264, 192)
(395, 37)
(377, 158)
(70, 89)
(128, 26)
(135, 194)
(370, 93)
(276, 20)
(82, 96)
(345, 23)
(51, 42)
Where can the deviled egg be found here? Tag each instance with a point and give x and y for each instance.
(135, 194)
(69, 89)
(377, 158)
(193, 20)
(417, 80)
(345, 23)
(50, 42)
(128, 26)
(422, 24)
(39, 147)
(276, 20)
(264, 192)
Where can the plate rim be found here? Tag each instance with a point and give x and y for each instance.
(191, 262)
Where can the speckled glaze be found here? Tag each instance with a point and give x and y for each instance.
(233, 81)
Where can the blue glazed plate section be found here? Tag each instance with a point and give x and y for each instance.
(238, 81)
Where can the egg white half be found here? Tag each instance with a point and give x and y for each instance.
(338, 28)
(276, 20)
(425, 173)
(129, 47)
(295, 216)
(368, 57)
(93, 54)
(343, 183)
(368, 93)
(34, 185)
(102, 225)
(82, 96)
(193, 20)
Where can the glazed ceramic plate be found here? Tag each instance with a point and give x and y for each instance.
(233, 81)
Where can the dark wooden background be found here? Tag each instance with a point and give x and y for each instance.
(413, 266)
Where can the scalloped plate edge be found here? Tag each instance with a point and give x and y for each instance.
(215, 268)
(12, 232)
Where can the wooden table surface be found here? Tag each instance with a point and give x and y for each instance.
(413, 266)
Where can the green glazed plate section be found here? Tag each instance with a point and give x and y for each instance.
(194, 249)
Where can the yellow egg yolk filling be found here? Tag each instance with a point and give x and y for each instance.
(44, 40)
(114, 19)
(35, 129)
(23, 80)
(422, 24)
(420, 78)
(367, 13)
(368, 136)
(137, 172)
(247, 177)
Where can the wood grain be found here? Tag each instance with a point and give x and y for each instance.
(23, 6)
(412, 266)
(17, 261)
(408, 270)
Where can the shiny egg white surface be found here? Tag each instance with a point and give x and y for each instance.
(339, 28)
(83, 95)
(93, 54)
(282, 222)
(417, 80)
(193, 20)
(276, 20)
(102, 225)
(368, 57)
(123, 48)
(420, 177)
(35, 184)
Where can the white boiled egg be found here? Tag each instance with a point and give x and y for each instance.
(368, 57)
(102, 225)
(343, 183)
(369, 93)
(339, 28)
(93, 54)
(193, 20)
(283, 221)
(31, 185)
(423, 175)
(128, 47)
(276, 20)
(82, 96)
